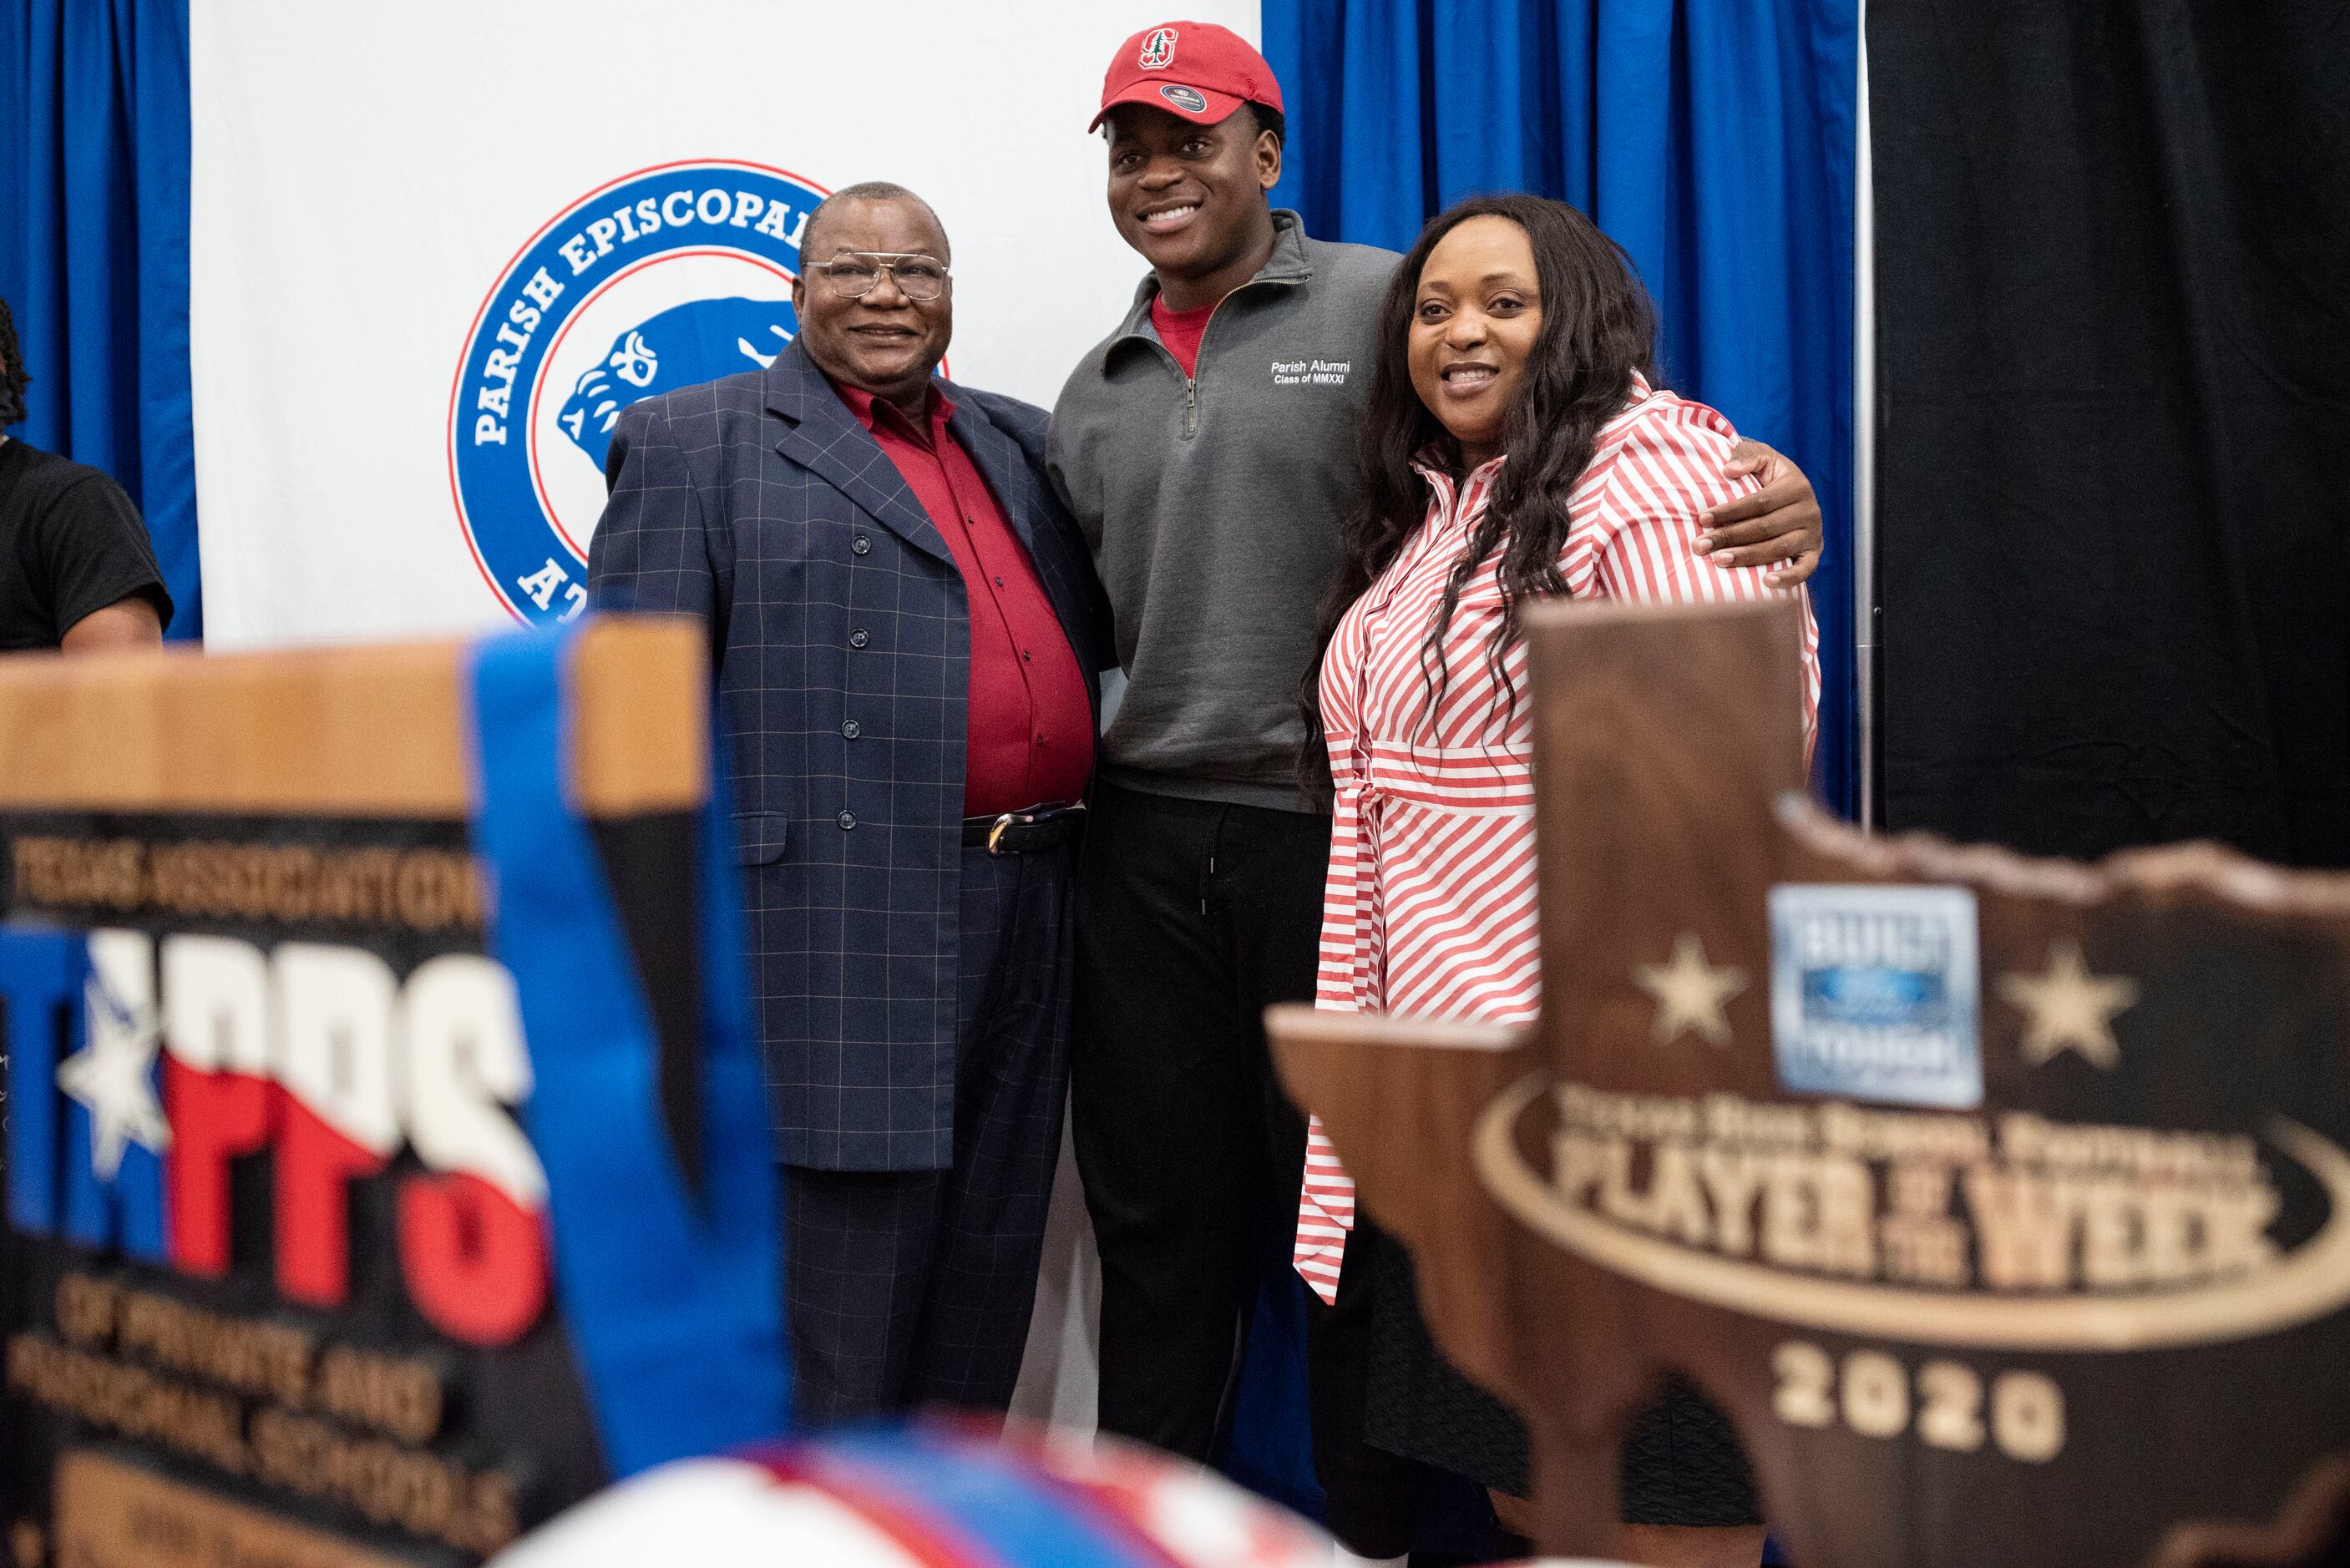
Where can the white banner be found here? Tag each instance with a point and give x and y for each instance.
(436, 247)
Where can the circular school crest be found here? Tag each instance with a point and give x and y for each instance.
(663, 278)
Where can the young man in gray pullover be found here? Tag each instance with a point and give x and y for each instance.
(1206, 450)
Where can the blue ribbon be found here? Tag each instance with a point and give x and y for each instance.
(675, 1308)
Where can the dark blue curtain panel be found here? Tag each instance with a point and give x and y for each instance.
(94, 252)
(2114, 347)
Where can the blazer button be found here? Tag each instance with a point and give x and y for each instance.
(848, 819)
(856, 639)
(860, 545)
(852, 729)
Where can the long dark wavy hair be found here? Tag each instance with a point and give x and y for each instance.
(1598, 328)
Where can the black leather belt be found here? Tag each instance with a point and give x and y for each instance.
(1046, 827)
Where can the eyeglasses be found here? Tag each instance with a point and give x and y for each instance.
(855, 273)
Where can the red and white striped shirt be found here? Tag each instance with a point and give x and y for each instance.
(1430, 905)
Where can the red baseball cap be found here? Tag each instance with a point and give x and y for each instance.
(1195, 69)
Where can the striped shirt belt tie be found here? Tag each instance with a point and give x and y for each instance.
(1325, 1204)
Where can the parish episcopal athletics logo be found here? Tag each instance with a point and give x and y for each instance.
(666, 278)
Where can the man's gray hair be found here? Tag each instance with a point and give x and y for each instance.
(867, 191)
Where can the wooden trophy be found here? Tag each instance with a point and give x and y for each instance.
(386, 1156)
(2003, 1205)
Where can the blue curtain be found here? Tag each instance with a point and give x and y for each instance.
(1712, 139)
(94, 252)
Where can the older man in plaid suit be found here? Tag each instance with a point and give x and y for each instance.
(905, 627)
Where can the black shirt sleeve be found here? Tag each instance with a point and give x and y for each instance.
(89, 548)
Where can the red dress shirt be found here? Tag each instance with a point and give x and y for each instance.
(1030, 723)
(1181, 330)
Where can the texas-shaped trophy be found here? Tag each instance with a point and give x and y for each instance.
(2002, 1205)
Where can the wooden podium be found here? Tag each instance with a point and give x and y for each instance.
(2005, 1205)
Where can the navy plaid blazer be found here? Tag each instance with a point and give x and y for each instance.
(840, 633)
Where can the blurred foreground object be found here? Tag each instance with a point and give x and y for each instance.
(931, 1494)
(388, 1164)
(2003, 1205)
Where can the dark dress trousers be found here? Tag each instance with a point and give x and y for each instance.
(912, 993)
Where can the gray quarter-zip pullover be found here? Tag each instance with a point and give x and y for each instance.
(1211, 506)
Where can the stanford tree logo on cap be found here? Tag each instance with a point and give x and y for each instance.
(1221, 71)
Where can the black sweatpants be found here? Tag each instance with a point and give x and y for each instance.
(1192, 917)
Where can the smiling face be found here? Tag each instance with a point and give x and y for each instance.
(883, 342)
(1190, 197)
(1475, 322)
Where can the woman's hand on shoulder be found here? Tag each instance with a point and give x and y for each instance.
(1779, 522)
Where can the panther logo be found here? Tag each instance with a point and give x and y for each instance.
(681, 346)
(659, 279)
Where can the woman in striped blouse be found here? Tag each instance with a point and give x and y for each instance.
(1515, 448)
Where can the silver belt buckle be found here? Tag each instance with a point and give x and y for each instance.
(995, 834)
